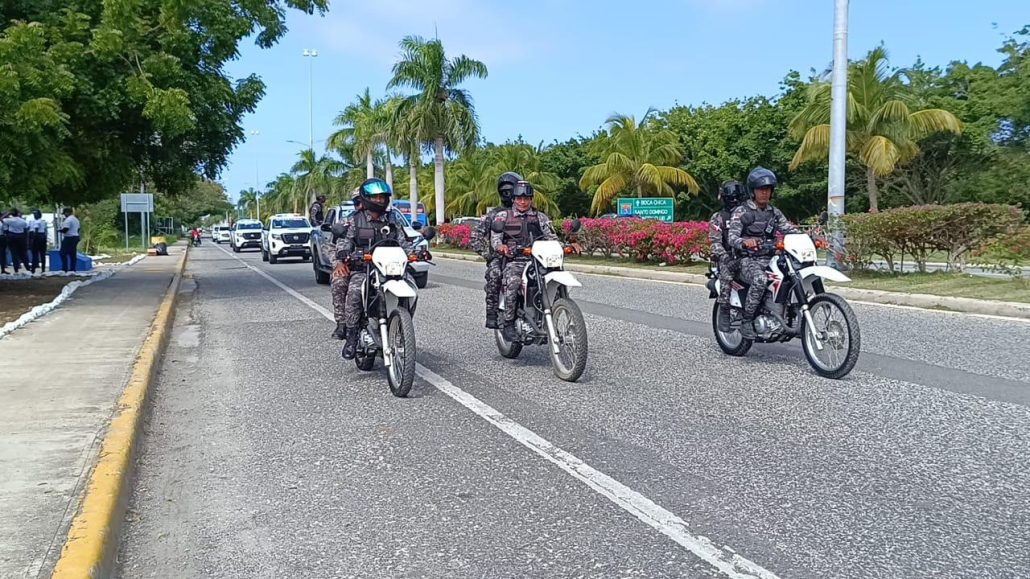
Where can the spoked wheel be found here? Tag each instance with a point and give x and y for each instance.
(400, 332)
(730, 342)
(571, 331)
(836, 328)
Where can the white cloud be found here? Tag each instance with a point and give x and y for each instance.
(371, 29)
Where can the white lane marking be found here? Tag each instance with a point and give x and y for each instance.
(725, 560)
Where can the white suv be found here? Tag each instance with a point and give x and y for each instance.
(285, 235)
(246, 233)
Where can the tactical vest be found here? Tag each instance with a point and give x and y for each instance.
(522, 228)
(724, 227)
(368, 232)
(759, 224)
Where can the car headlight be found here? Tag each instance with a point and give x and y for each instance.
(276, 236)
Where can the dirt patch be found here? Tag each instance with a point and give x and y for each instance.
(19, 296)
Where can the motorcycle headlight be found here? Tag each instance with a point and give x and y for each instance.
(552, 261)
(807, 255)
(393, 269)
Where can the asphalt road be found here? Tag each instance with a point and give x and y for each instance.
(266, 455)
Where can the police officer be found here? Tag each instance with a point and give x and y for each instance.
(752, 229)
(365, 230)
(522, 226)
(481, 245)
(37, 240)
(316, 213)
(17, 239)
(341, 270)
(731, 193)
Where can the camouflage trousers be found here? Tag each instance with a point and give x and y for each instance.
(752, 271)
(352, 310)
(338, 288)
(493, 284)
(512, 282)
(728, 270)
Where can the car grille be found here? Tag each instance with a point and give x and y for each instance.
(251, 236)
(295, 237)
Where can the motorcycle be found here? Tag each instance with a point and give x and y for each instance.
(388, 300)
(795, 305)
(545, 314)
(196, 241)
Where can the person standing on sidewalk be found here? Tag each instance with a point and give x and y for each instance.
(70, 241)
(3, 244)
(17, 239)
(37, 240)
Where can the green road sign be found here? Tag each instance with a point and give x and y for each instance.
(660, 208)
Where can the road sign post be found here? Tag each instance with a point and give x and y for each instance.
(660, 208)
(142, 203)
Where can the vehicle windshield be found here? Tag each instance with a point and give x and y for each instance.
(296, 223)
(248, 226)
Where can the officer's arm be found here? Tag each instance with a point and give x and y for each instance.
(736, 228)
(715, 226)
(782, 224)
(547, 228)
(346, 245)
(497, 239)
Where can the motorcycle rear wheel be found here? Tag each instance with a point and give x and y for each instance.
(732, 342)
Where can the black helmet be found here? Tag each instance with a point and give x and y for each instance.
(372, 187)
(732, 193)
(760, 177)
(522, 189)
(505, 185)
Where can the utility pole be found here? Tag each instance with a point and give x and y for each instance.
(838, 130)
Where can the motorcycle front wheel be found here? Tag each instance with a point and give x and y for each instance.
(836, 327)
(571, 331)
(400, 331)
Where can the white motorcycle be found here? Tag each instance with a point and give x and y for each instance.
(388, 301)
(795, 305)
(545, 314)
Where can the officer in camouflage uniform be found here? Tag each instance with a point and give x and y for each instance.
(522, 226)
(753, 227)
(481, 244)
(364, 231)
(731, 193)
(316, 213)
(341, 270)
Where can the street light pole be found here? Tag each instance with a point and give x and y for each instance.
(838, 128)
(312, 53)
(257, 181)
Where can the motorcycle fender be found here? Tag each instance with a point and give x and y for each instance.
(562, 277)
(823, 272)
(398, 288)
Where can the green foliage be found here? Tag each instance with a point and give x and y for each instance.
(92, 94)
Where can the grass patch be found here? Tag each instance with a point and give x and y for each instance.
(944, 284)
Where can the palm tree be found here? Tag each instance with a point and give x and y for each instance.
(473, 184)
(386, 131)
(315, 175)
(402, 137)
(360, 124)
(882, 129)
(441, 113)
(247, 201)
(640, 158)
(279, 192)
(524, 159)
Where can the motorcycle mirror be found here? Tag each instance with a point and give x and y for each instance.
(429, 233)
(497, 226)
(416, 225)
(576, 225)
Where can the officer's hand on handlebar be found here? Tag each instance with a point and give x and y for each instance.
(751, 243)
(505, 250)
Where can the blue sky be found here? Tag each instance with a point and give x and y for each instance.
(558, 68)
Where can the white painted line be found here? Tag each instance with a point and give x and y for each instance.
(725, 560)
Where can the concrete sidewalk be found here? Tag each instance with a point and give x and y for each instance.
(60, 380)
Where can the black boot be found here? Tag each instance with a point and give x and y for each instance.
(340, 332)
(491, 319)
(724, 318)
(350, 349)
(747, 327)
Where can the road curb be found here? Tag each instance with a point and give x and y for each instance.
(923, 301)
(92, 542)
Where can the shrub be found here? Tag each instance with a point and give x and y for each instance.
(455, 235)
(642, 239)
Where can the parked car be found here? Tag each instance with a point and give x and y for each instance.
(285, 235)
(322, 245)
(472, 222)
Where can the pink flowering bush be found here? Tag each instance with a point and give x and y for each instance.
(642, 240)
(455, 235)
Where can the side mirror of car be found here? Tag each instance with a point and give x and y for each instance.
(497, 226)
(326, 227)
(429, 233)
(576, 225)
(416, 225)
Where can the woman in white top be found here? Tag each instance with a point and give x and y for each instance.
(70, 242)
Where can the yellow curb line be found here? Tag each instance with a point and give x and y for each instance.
(92, 542)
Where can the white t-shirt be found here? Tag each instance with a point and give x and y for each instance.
(37, 225)
(15, 225)
(72, 223)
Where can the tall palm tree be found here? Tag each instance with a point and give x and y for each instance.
(637, 157)
(360, 125)
(442, 113)
(280, 190)
(882, 129)
(472, 177)
(524, 159)
(315, 175)
(247, 202)
(385, 131)
(402, 137)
